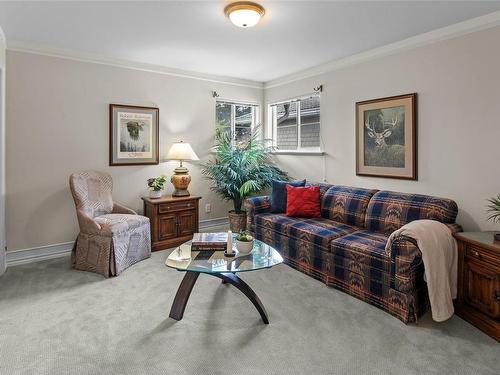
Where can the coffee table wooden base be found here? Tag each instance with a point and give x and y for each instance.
(187, 284)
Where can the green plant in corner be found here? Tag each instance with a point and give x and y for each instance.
(240, 170)
(494, 209)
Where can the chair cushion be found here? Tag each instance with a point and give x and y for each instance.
(118, 223)
(303, 201)
(279, 194)
(346, 204)
(389, 210)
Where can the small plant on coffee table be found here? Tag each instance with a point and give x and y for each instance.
(244, 236)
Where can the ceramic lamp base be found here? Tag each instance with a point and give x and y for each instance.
(180, 180)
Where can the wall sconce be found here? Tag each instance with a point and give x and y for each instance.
(318, 89)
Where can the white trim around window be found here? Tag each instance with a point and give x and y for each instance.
(297, 138)
(254, 120)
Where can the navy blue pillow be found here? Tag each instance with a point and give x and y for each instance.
(278, 195)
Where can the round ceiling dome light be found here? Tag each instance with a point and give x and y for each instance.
(244, 13)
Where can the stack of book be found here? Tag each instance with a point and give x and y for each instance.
(209, 241)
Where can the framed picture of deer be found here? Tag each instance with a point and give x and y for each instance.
(133, 135)
(386, 137)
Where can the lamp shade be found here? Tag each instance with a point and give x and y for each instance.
(181, 151)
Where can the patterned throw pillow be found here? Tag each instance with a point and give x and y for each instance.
(278, 195)
(303, 201)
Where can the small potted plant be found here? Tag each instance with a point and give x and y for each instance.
(244, 242)
(155, 185)
(494, 211)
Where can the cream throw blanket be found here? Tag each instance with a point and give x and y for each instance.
(439, 254)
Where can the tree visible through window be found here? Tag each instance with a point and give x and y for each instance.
(296, 124)
(237, 119)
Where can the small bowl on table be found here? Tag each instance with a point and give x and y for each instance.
(244, 243)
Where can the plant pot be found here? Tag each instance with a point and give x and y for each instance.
(244, 247)
(155, 194)
(237, 222)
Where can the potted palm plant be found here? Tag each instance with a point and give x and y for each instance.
(494, 212)
(240, 170)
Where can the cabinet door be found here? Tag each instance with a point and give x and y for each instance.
(187, 222)
(482, 288)
(167, 227)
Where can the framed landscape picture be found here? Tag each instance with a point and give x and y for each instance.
(386, 137)
(133, 135)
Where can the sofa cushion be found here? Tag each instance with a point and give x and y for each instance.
(319, 231)
(389, 211)
(346, 204)
(303, 201)
(279, 194)
(275, 222)
(323, 186)
(362, 242)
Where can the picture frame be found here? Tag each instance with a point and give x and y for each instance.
(134, 137)
(386, 137)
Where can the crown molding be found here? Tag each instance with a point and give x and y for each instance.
(448, 32)
(44, 50)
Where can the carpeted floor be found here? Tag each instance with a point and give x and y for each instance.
(54, 320)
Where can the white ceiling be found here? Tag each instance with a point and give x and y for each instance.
(196, 36)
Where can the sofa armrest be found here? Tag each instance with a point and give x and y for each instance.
(406, 256)
(120, 209)
(455, 228)
(254, 206)
(87, 224)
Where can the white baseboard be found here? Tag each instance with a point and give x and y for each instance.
(36, 254)
(218, 222)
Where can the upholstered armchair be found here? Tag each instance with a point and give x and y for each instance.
(112, 237)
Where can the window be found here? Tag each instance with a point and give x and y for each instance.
(296, 124)
(237, 119)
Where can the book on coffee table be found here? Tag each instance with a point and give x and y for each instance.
(209, 241)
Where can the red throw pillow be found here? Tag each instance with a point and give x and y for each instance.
(303, 201)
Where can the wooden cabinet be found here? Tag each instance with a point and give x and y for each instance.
(173, 220)
(478, 299)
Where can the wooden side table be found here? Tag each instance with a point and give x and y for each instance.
(478, 299)
(173, 220)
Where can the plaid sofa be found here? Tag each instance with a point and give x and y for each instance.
(345, 248)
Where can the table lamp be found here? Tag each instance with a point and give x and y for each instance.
(181, 178)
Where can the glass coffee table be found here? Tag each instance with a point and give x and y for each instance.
(225, 268)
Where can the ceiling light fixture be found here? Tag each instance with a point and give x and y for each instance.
(244, 13)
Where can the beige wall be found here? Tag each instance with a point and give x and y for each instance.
(2, 151)
(458, 86)
(57, 123)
